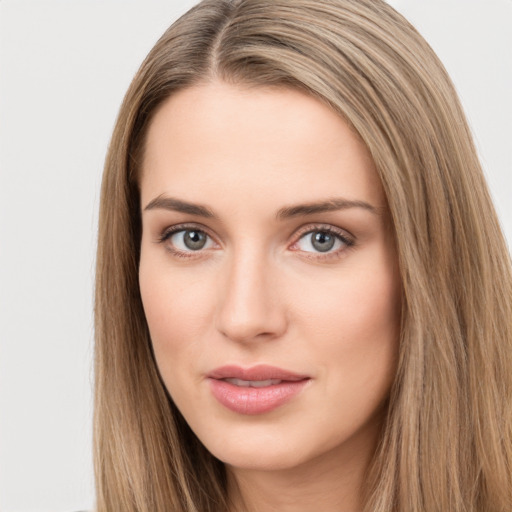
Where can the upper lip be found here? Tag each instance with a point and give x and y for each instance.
(254, 373)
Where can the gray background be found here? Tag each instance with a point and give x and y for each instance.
(64, 67)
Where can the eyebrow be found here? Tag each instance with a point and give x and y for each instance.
(168, 203)
(330, 205)
(335, 204)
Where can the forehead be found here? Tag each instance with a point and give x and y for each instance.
(274, 143)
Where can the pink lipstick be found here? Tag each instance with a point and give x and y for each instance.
(255, 390)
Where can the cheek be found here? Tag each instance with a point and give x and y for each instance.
(353, 305)
(355, 324)
(176, 305)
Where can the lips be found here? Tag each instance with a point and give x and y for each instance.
(255, 390)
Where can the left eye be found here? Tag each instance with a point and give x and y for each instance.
(321, 241)
(187, 240)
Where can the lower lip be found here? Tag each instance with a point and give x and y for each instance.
(247, 400)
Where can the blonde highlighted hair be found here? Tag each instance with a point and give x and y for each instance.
(446, 444)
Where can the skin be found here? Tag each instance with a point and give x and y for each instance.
(260, 292)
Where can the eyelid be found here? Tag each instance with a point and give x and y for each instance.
(166, 233)
(343, 234)
(169, 231)
(346, 237)
(318, 226)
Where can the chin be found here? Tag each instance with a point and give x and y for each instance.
(260, 460)
(262, 449)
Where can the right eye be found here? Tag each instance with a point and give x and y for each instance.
(188, 240)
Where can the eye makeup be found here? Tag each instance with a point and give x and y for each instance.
(318, 242)
(323, 236)
(194, 243)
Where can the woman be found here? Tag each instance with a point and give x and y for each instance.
(303, 295)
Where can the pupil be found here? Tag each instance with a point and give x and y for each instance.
(322, 241)
(195, 240)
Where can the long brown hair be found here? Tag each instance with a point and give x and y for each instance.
(447, 441)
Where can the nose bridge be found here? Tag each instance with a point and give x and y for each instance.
(249, 306)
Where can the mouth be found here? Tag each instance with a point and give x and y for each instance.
(256, 390)
(253, 383)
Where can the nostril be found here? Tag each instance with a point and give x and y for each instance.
(249, 308)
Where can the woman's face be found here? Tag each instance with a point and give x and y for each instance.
(268, 275)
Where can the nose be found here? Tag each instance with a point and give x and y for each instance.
(249, 307)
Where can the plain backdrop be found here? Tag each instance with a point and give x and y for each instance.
(64, 68)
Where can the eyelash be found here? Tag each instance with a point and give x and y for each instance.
(341, 235)
(169, 232)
